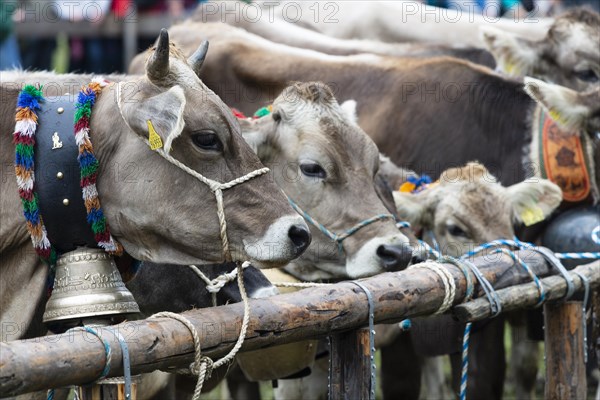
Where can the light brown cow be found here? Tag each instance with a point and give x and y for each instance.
(569, 54)
(326, 164)
(159, 213)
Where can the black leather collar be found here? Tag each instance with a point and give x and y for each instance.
(57, 176)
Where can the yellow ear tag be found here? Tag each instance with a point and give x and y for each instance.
(556, 116)
(532, 215)
(153, 138)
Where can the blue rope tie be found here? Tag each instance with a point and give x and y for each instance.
(338, 238)
(107, 349)
(586, 285)
(107, 353)
(596, 235)
(373, 374)
(579, 256)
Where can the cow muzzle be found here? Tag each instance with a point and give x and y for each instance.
(285, 240)
(380, 254)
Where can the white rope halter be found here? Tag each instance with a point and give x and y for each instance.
(216, 187)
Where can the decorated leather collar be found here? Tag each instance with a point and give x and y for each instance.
(564, 158)
(56, 173)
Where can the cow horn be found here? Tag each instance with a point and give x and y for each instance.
(158, 65)
(197, 59)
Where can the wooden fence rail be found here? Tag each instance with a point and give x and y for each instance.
(78, 358)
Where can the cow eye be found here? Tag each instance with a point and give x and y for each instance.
(207, 141)
(313, 170)
(586, 75)
(456, 230)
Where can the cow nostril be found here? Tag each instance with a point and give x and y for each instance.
(416, 259)
(300, 236)
(394, 258)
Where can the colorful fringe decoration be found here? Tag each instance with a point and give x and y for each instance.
(24, 139)
(263, 112)
(415, 185)
(88, 165)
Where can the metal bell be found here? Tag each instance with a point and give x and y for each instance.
(87, 286)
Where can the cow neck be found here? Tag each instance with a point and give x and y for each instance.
(65, 192)
(565, 158)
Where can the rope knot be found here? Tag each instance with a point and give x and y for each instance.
(202, 369)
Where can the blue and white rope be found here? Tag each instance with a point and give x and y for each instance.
(335, 237)
(465, 361)
(596, 235)
(586, 255)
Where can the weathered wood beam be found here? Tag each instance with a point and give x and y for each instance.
(526, 295)
(78, 358)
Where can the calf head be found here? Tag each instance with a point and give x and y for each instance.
(162, 213)
(569, 55)
(326, 164)
(468, 207)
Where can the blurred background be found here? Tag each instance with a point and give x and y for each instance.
(102, 36)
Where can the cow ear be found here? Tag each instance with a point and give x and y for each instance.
(349, 108)
(161, 115)
(410, 207)
(257, 138)
(514, 56)
(564, 105)
(533, 200)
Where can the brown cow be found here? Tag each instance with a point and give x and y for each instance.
(155, 213)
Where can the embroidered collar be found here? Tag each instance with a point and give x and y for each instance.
(30, 101)
(564, 159)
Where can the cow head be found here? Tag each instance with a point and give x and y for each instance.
(569, 55)
(468, 207)
(326, 164)
(162, 213)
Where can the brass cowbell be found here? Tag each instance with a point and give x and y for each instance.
(87, 286)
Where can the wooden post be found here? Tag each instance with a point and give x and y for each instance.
(350, 365)
(565, 369)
